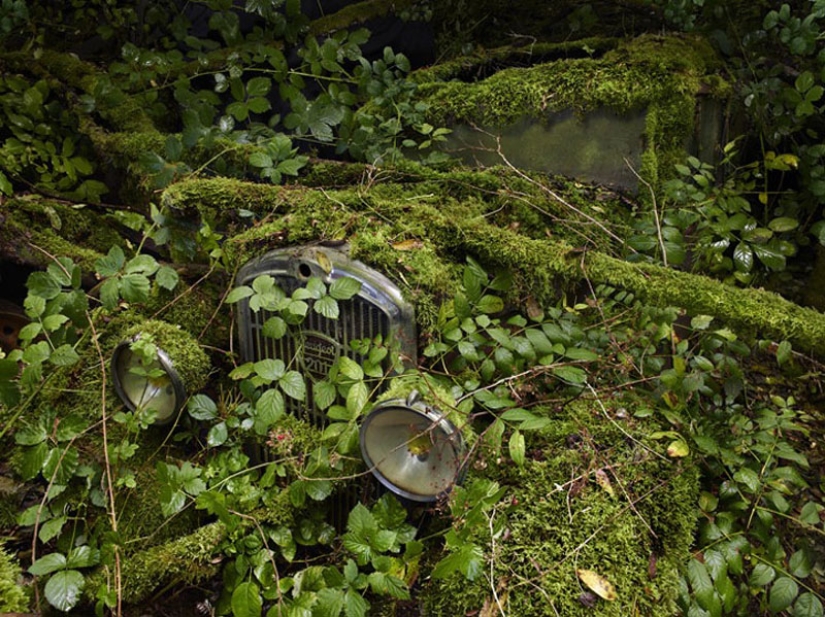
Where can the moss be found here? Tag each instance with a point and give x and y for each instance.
(186, 355)
(357, 13)
(13, 596)
(560, 519)
(189, 559)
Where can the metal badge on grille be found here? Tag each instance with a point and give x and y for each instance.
(377, 312)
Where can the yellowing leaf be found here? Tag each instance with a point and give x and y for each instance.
(598, 584)
(408, 245)
(603, 480)
(323, 261)
(678, 448)
(763, 198)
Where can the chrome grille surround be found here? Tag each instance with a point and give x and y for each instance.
(378, 309)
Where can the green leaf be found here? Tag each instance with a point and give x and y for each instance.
(807, 605)
(783, 224)
(748, 477)
(83, 557)
(357, 398)
(291, 167)
(293, 385)
(782, 594)
(327, 306)
(268, 410)
(135, 287)
(167, 278)
(258, 86)
(48, 564)
(344, 288)
(201, 407)
(65, 355)
(743, 257)
(274, 327)
(490, 304)
(217, 435)
(260, 159)
(110, 293)
(517, 448)
(356, 605)
(761, 575)
(349, 368)
(63, 589)
(323, 393)
(43, 285)
(769, 256)
(111, 264)
(141, 264)
(246, 600)
(329, 602)
(571, 374)
(270, 369)
(799, 564)
(578, 353)
(238, 294)
(51, 529)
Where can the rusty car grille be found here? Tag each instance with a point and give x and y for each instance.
(377, 312)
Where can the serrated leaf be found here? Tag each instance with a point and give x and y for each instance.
(43, 285)
(349, 368)
(274, 327)
(761, 575)
(807, 605)
(782, 594)
(327, 306)
(238, 294)
(268, 410)
(344, 288)
(356, 605)
(65, 355)
(201, 407)
(83, 557)
(63, 589)
(291, 167)
(135, 287)
(217, 435)
(111, 264)
(517, 448)
(246, 600)
(51, 529)
(110, 293)
(571, 374)
(490, 304)
(270, 369)
(293, 385)
(48, 564)
(323, 393)
(167, 278)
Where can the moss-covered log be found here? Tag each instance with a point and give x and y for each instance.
(452, 229)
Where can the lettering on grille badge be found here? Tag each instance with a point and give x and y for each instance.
(317, 353)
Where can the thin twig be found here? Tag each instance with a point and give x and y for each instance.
(655, 211)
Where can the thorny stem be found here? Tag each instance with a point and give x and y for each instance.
(109, 477)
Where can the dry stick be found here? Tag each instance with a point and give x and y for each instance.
(655, 211)
(493, 564)
(552, 193)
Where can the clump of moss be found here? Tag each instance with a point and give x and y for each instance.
(13, 596)
(593, 494)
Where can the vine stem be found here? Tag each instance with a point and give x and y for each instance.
(109, 477)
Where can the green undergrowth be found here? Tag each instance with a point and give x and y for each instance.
(595, 493)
